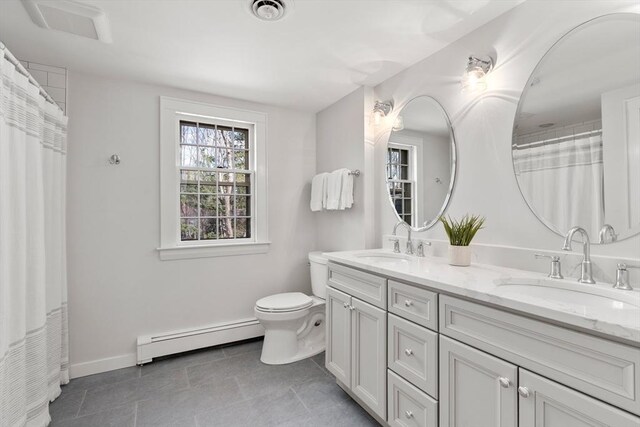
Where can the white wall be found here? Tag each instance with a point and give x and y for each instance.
(437, 164)
(344, 141)
(483, 125)
(118, 288)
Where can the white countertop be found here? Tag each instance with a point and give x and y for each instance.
(483, 283)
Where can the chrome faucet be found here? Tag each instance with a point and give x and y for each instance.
(586, 275)
(607, 234)
(555, 271)
(622, 277)
(420, 248)
(409, 242)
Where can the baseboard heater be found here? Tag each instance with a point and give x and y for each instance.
(156, 345)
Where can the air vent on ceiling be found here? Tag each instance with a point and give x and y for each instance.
(268, 10)
(70, 17)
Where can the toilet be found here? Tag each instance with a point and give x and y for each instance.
(294, 322)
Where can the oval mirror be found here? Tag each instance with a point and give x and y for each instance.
(576, 138)
(421, 162)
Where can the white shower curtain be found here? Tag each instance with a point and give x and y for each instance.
(564, 182)
(33, 294)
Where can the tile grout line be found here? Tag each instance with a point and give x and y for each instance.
(81, 403)
(300, 400)
(135, 415)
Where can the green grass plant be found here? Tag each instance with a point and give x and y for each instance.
(461, 232)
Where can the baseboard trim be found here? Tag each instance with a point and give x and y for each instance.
(83, 369)
(172, 342)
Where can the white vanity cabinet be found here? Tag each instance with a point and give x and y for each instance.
(476, 389)
(417, 357)
(356, 348)
(544, 403)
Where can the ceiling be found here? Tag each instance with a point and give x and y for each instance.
(321, 51)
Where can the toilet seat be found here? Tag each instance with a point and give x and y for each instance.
(285, 302)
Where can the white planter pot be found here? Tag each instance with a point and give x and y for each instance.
(460, 255)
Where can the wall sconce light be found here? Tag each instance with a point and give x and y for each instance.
(380, 110)
(398, 125)
(474, 78)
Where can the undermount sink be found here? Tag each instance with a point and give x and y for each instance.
(383, 257)
(576, 294)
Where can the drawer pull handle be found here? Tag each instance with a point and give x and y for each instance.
(504, 382)
(524, 392)
(408, 414)
(408, 302)
(408, 352)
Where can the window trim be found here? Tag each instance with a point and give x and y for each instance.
(172, 110)
(414, 147)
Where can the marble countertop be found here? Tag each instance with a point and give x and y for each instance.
(615, 314)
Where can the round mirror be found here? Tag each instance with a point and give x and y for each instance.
(576, 138)
(421, 162)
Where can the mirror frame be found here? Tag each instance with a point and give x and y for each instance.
(532, 76)
(454, 167)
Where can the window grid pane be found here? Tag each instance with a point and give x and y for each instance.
(215, 182)
(399, 183)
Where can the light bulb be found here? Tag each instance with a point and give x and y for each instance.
(398, 124)
(377, 117)
(474, 80)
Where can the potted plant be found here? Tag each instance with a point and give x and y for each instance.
(461, 233)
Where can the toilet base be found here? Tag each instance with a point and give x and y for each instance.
(290, 341)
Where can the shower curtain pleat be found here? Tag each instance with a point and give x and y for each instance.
(33, 296)
(564, 182)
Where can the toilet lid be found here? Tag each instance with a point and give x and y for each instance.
(288, 301)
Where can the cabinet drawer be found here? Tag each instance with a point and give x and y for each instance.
(601, 368)
(413, 303)
(367, 287)
(408, 406)
(413, 354)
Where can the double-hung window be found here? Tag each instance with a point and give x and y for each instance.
(213, 173)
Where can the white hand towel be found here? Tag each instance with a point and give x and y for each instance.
(334, 189)
(318, 192)
(346, 194)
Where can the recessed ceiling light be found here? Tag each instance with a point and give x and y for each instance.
(269, 10)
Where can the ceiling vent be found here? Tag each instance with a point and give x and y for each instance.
(70, 17)
(268, 10)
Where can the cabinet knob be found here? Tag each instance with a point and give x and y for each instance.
(523, 391)
(408, 352)
(504, 382)
(345, 305)
(351, 308)
(408, 414)
(408, 302)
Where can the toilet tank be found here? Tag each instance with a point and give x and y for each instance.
(319, 274)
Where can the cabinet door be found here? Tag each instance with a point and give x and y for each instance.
(369, 356)
(476, 389)
(338, 335)
(544, 403)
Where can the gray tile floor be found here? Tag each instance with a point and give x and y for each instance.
(220, 386)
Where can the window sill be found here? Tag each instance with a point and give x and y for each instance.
(207, 251)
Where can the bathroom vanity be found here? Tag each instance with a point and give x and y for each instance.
(420, 343)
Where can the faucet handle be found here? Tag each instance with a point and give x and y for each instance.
(555, 269)
(396, 244)
(553, 258)
(622, 277)
(420, 248)
(623, 266)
